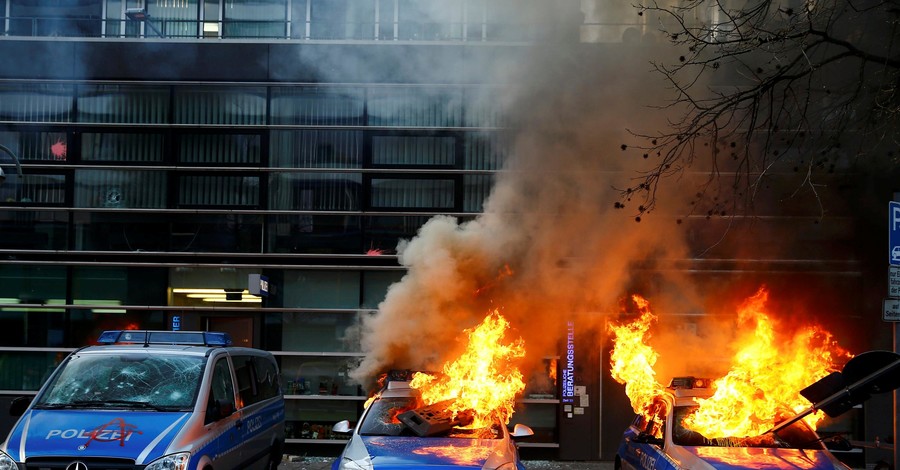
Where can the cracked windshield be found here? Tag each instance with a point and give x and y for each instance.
(164, 382)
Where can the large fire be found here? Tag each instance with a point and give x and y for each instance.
(766, 373)
(484, 379)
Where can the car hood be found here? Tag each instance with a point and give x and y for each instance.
(762, 458)
(128, 434)
(389, 452)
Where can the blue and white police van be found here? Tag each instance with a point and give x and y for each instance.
(661, 442)
(153, 400)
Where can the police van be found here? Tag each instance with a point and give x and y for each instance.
(153, 400)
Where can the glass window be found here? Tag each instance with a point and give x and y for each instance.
(174, 19)
(116, 147)
(32, 284)
(383, 232)
(26, 370)
(313, 419)
(476, 189)
(342, 19)
(316, 149)
(33, 230)
(21, 325)
(482, 109)
(430, 20)
(220, 105)
(410, 107)
(36, 102)
(137, 104)
(37, 189)
(315, 191)
(321, 289)
(376, 285)
(315, 233)
(122, 231)
(318, 106)
(218, 191)
(221, 390)
(120, 188)
(73, 18)
(318, 375)
(35, 146)
(475, 20)
(410, 150)
(484, 151)
(256, 19)
(407, 193)
(325, 332)
(219, 149)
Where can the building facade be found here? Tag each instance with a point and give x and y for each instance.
(175, 153)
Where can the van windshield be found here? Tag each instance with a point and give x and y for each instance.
(133, 380)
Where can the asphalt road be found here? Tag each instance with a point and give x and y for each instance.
(324, 463)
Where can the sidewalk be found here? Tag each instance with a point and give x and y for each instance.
(324, 463)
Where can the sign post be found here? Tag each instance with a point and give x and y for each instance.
(891, 309)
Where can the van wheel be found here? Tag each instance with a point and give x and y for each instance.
(275, 456)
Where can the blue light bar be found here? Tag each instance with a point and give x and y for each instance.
(197, 338)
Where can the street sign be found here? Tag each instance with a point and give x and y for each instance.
(894, 233)
(891, 310)
(894, 282)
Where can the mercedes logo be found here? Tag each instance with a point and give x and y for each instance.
(77, 465)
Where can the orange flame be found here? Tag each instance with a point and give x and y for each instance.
(483, 379)
(632, 359)
(766, 374)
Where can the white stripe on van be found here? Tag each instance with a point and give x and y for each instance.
(24, 435)
(140, 458)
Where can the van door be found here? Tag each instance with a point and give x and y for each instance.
(256, 433)
(222, 417)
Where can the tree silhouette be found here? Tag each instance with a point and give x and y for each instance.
(803, 88)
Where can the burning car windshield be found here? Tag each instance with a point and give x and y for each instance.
(161, 381)
(382, 420)
(795, 436)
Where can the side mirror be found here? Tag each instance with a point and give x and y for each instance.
(521, 431)
(342, 427)
(19, 405)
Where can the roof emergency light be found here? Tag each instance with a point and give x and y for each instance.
(148, 337)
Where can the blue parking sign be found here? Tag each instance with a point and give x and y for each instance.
(894, 233)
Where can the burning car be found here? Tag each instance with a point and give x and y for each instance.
(659, 440)
(397, 430)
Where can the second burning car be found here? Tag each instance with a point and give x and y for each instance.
(662, 442)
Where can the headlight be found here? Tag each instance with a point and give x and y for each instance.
(6, 462)
(177, 461)
(348, 464)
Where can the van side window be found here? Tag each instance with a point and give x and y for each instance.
(257, 379)
(221, 394)
(267, 379)
(246, 379)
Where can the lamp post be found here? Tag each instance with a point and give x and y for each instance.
(15, 159)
